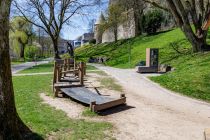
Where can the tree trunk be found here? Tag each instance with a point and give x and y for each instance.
(56, 52)
(22, 51)
(11, 127)
(115, 33)
(198, 41)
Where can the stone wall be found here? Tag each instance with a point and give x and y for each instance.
(125, 30)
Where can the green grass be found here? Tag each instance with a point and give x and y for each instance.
(101, 73)
(88, 113)
(39, 68)
(110, 83)
(89, 67)
(44, 119)
(192, 73)
(118, 53)
(17, 62)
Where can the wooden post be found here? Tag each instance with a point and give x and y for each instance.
(92, 106)
(122, 95)
(81, 73)
(65, 66)
(85, 67)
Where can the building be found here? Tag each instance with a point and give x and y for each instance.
(81, 40)
(128, 29)
(86, 37)
(62, 46)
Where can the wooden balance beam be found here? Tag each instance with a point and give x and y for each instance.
(95, 101)
(60, 79)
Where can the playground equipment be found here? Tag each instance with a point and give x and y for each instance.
(69, 80)
(152, 61)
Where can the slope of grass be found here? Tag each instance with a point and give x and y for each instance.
(118, 53)
(44, 119)
(192, 71)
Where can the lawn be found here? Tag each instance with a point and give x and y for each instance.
(192, 71)
(39, 68)
(46, 120)
(47, 68)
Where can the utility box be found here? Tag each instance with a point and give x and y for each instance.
(152, 61)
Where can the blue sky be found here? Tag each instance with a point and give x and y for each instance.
(80, 23)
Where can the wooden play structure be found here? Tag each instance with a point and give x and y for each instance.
(207, 134)
(152, 61)
(68, 80)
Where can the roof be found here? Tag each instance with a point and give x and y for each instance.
(101, 19)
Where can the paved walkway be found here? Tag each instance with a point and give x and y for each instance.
(20, 67)
(157, 113)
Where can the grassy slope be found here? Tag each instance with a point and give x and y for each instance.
(43, 119)
(192, 70)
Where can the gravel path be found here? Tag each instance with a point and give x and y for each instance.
(154, 113)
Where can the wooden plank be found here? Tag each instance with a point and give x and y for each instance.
(107, 105)
(96, 102)
(207, 134)
(86, 96)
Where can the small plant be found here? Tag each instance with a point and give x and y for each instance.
(31, 52)
(88, 113)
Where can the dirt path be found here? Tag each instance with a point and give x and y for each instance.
(154, 113)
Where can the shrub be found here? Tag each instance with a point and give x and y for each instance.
(31, 52)
(92, 41)
(152, 21)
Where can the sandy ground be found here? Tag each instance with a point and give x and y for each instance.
(152, 112)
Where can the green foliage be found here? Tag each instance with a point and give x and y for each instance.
(152, 21)
(92, 41)
(114, 18)
(88, 113)
(31, 52)
(20, 33)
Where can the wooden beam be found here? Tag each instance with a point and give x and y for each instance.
(207, 134)
(98, 107)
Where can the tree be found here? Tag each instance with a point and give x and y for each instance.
(11, 127)
(21, 31)
(91, 25)
(189, 15)
(51, 15)
(152, 21)
(138, 7)
(115, 17)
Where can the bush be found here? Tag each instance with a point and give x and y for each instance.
(92, 41)
(31, 52)
(152, 21)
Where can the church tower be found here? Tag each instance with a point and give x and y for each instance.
(97, 30)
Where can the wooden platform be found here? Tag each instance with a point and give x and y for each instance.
(96, 102)
(207, 134)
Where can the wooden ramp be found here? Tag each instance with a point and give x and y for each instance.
(96, 102)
